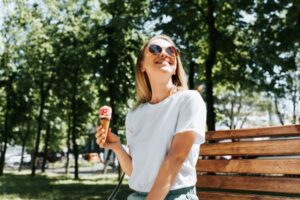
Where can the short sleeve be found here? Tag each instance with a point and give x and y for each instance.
(128, 127)
(192, 116)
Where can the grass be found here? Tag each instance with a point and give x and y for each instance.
(23, 186)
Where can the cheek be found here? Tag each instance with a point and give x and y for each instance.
(146, 63)
(174, 61)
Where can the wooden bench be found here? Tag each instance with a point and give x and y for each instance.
(264, 164)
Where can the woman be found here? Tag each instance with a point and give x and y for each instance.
(164, 131)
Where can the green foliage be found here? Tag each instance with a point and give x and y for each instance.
(256, 42)
(80, 55)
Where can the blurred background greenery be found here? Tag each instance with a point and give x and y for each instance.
(61, 60)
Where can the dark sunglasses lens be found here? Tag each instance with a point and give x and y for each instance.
(155, 49)
(171, 51)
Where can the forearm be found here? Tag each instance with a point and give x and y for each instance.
(166, 177)
(180, 147)
(124, 159)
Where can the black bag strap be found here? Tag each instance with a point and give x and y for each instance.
(117, 188)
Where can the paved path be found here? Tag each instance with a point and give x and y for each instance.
(86, 171)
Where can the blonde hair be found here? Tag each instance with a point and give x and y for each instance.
(142, 83)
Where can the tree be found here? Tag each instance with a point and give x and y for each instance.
(9, 72)
(114, 66)
(39, 55)
(74, 71)
(274, 51)
(201, 29)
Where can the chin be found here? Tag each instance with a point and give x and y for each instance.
(169, 69)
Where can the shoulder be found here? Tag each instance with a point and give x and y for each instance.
(190, 95)
(191, 99)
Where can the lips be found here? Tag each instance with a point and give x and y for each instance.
(162, 61)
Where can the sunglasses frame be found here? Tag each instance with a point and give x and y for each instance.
(156, 50)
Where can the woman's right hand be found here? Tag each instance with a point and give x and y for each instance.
(112, 140)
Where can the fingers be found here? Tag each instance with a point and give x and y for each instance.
(101, 141)
(99, 128)
(100, 135)
(100, 131)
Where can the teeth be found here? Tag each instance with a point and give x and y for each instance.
(160, 62)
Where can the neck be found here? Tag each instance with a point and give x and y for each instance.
(161, 91)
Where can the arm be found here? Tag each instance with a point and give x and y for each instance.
(124, 159)
(180, 148)
(113, 142)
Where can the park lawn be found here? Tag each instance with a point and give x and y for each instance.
(16, 186)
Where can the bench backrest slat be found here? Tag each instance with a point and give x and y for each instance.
(276, 147)
(252, 183)
(275, 131)
(230, 196)
(255, 166)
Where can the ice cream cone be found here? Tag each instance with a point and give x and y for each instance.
(105, 124)
(105, 117)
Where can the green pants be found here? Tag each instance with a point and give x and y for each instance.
(188, 193)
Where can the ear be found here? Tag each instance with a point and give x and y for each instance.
(143, 69)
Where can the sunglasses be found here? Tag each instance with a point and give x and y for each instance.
(156, 50)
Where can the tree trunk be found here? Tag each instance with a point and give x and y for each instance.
(231, 117)
(2, 158)
(244, 120)
(40, 125)
(270, 113)
(24, 144)
(68, 145)
(22, 154)
(238, 113)
(209, 64)
(106, 161)
(74, 121)
(7, 126)
(43, 95)
(192, 75)
(112, 62)
(278, 113)
(294, 100)
(47, 139)
(113, 123)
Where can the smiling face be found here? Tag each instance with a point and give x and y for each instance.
(158, 68)
(160, 63)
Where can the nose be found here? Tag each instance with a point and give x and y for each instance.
(163, 54)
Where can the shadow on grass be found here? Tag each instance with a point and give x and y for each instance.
(43, 187)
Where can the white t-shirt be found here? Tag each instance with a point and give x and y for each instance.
(149, 132)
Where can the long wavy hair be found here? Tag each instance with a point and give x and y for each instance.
(142, 83)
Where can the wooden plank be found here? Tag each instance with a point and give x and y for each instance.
(290, 130)
(233, 196)
(264, 166)
(275, 147)
(251, 183)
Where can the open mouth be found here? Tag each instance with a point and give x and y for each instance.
(162, 61)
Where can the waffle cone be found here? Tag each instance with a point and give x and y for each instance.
(105, 124)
